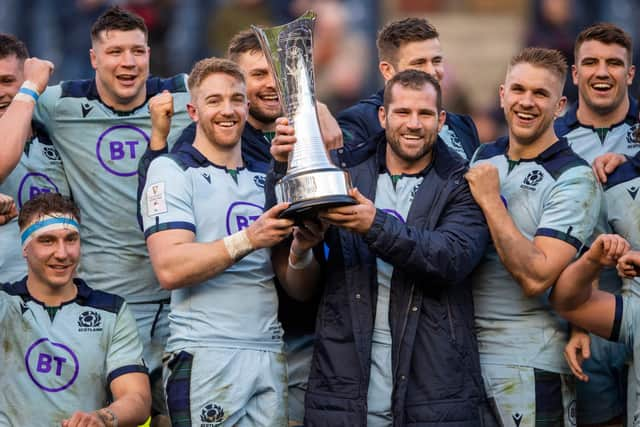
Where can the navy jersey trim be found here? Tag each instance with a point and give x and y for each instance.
(565, 237)
(126, 370)
(617, 319)
(496, 148)
(176, 225)
(97, 299)
(565, 124)
(625, 172)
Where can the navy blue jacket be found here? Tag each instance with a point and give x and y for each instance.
(436, 369)
(361, 128)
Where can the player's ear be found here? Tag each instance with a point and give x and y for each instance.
(386, 69)
(92, 58)
(382, 117)
(193, 112)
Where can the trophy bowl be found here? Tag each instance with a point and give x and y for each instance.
(312, 182)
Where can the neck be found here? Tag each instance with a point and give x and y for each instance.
(588, 116)
(519, 151)
(229, 157)
(118, 104)
(51, 296)
(397, 165)
(261, 126)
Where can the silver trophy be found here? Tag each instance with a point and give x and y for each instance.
(312, 182)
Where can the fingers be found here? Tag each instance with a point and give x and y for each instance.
(38, 71)
(575, 352)
(606, 164)
(629, 264)
(283, 143)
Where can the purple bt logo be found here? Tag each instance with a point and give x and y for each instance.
(241, 214)
(52, 366)
(33, 184)
(119, 149)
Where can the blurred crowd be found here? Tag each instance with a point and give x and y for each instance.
(183, 31)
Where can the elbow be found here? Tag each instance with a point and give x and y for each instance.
(533, 287)
(168, 279)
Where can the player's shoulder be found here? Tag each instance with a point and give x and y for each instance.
(99, 300)
(185, 157)
(624, 173)
(559, 160)
(489, 150)
(176, 84)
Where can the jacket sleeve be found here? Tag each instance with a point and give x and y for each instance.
(449, 252)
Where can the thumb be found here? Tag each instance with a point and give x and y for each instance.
(275, 211)
(355, 193)
(586, 350)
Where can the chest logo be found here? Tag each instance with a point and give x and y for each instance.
(211, 415)
(240, 215)
(633, 191)
(207, 177)
(119, 149)
(89, 321)
(33, 184)
(532, 179)
(52, 366)
(51, 153)
(259, 181)
(633, 136)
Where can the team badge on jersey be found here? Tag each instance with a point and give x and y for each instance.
(633, 136)
(89, 321)
(50, 153)
(211, 415)
(259, 180)
(532, 179)
(156, 199)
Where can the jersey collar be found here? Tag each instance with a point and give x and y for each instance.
(20, 289)
(571, 116)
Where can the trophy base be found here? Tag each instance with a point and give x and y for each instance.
(314, 190)
(310, 208)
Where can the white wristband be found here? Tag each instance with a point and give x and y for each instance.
(303, 260)
(238, 245)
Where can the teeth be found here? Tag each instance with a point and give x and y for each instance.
(270, 97)
(602, 86)
(4, 105)
(525, 116)
(226, 124)
(411, 136)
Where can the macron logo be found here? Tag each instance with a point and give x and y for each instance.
(86, 109)
(633, 191)
(207, 177)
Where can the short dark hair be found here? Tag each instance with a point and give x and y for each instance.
(606, 33)
(396, 33)
(244, 41)
(10, 45)
(45, 204)
(549, 59)
(116, 18)
(205, 67)
(413, 79)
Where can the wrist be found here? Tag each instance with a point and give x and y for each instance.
(238, 245)
(28, 92)
(108, 417)
(301, 260)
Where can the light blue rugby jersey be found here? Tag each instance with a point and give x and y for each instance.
(589, 142)
(39, 171)
(52, 368)
(238, 308)
(621, 193)
(554, 195)
(394, 195)
(100, 150)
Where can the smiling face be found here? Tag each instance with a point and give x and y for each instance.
(121, 61)
(603, 75)
(52, 258)
(11, 78)
(264, 104)
(531, 98)
(219, 107)
(424, 55)
(411, 122)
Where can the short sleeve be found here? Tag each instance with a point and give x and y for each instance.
(124, 355)
(44, 112)
(570, 211)
(166, 200)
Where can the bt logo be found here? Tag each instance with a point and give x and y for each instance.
(52, 366)
(33, 184)
(119, 149)
(241, 214)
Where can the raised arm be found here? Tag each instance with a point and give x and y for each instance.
(15, 123)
